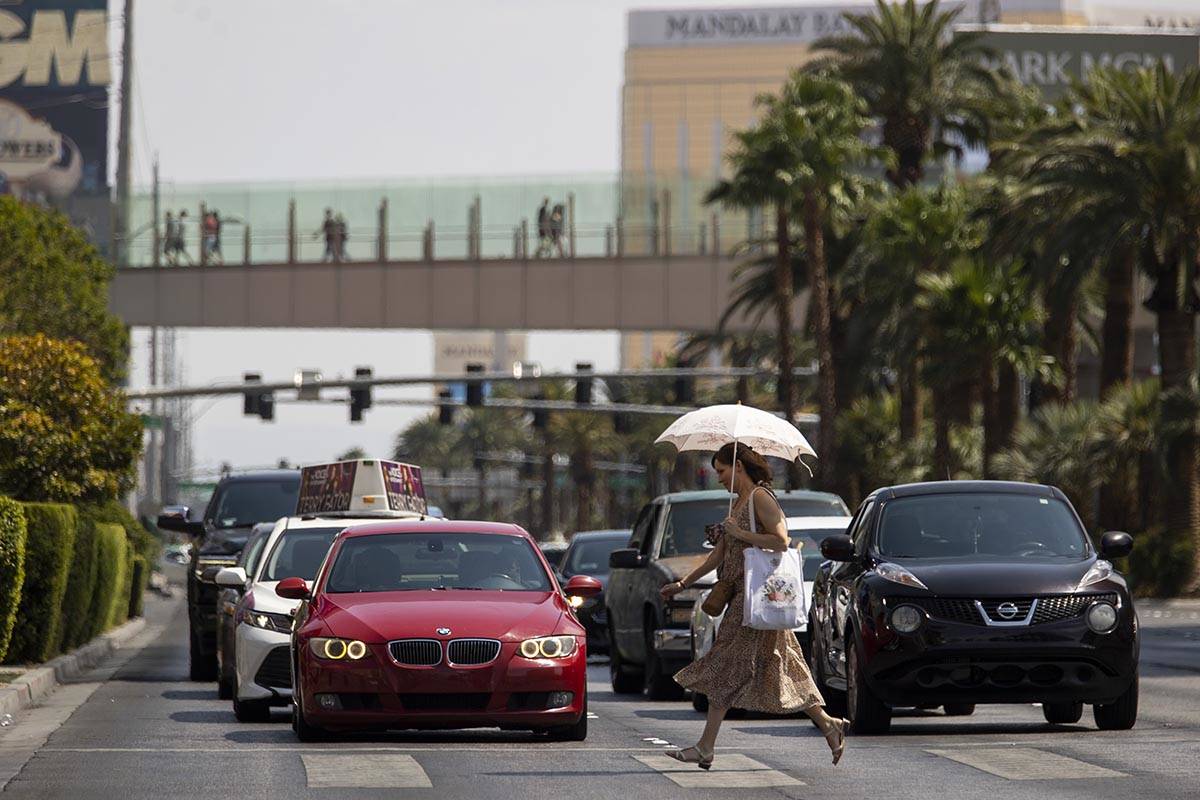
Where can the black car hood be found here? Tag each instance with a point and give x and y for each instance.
(225, 541)
(999, 578)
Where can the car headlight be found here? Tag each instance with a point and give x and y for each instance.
(898, 574)
(1101, 571)
(281, 623)
(548, 647)
(338, 649)
(204, 562)
(906, 619)
(1102, 617)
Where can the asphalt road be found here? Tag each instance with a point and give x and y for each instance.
(136, 728)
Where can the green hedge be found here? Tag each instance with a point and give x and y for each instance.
(110, 568)
(141, 576)
(12, 567)
(81, 586)
(49, 551)
(120, 607)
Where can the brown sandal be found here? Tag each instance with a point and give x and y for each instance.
(692, 755)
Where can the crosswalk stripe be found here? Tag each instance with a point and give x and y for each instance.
(376, 771)
(729, 771)
(1026, 764)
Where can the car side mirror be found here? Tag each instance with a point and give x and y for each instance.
(837, 548)
(293, 589)
(175, 518)
(625, 558)
(209, 574)
(583, 586)
(1116, 544)
(232, 577)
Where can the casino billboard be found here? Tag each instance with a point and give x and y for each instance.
(1051, 58)
(55, 70)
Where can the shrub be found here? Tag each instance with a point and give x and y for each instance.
(12, 567)
(110, 563)
(1160, 563)
(49, 551)
(120, 607)
(141, 575)
(81, 583)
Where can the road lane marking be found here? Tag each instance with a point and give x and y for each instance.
(340, 771)
(1027, 764)
(729, 771)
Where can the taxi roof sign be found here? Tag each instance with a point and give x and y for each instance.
(362, 486)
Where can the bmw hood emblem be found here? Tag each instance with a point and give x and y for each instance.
(443, 631)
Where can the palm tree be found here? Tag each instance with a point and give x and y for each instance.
(799, 159)
(927, 85)
(1138, 166)
(432, 445)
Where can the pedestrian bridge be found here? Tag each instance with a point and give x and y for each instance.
(679, 293)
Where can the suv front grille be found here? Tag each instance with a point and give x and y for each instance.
(416, 652)
(471, 652)
(950, 609)
(964, 611)
(1053, 609)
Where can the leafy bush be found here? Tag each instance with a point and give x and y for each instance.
(81, 584)
(12, 566)
(120, 607)
(141, 576)
(65, 436)
(110, 564)
(1160, 563)
(49, 551)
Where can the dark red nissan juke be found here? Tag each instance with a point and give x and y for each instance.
(435, 624)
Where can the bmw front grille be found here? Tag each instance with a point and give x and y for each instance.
(472, 652)
(416, 652)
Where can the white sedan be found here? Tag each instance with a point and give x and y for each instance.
(806, 533)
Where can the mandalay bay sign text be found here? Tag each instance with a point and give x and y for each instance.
(1051, 59)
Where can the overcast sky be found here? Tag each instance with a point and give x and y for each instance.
(295, 90)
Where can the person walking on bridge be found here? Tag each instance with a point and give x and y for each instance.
(748, 668)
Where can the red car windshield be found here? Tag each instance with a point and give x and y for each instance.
(415, 561)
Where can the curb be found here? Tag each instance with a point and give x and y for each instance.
(36, 683)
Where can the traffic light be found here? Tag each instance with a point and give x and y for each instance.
(474, 387)
(266, 406)
(541, 417)
(445, 412)
(622, 422)
(360, 396)
(583, 382)
(251, 395)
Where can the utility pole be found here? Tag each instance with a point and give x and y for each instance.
(155, 205)
(124, 168)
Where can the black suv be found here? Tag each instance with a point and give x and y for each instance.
(238, 503)
(962, 592)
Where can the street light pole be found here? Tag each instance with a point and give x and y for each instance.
(124, 146)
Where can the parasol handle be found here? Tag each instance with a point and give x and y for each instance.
(733, 478)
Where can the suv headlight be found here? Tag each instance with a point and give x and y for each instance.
(548, 647)
(338, 649)
(898, 574)
(204, 562)
(280, 623)
(906, 618)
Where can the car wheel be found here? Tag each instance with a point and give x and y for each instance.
(867, 713)
(835, 699)
(572, 733)
(660, 684)
(960, 709)
(1062, 713)
(304, 732)
(250, 710)
(201, 666)
(700, 702)
(1121, 714)
(624, 679)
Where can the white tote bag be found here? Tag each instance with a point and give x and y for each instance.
(775, 598)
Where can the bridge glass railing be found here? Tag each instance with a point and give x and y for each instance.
(457, 218)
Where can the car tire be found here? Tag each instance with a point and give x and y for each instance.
(224, 689)
(835, 699)
(572, 733)
(1121, 714)
(250, 710)
(700, 702)
(867, 713)
(1062, 713)
(959, 709)
(660, 683)
(304, 732)
(625, 680)
(201, 666)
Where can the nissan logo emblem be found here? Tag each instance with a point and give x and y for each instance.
(443, 631)
(1008, 610)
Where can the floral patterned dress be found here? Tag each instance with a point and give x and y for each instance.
(746, 668)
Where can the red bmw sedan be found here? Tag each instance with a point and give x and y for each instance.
(435, 624)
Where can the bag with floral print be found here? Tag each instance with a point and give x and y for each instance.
(775, 597)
